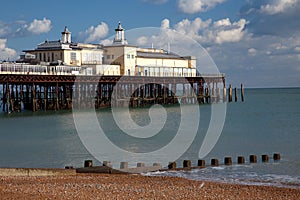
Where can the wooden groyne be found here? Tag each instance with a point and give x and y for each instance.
(124, 169)
(63, 92)
(186, 165)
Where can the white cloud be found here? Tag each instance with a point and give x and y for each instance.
(39, 26)
(194, 29)
(229, 32)
(297, 49)
(94, 34)
(143, 40)
(195, 6)
(221, 31)
(6, 53)
(272, 17)
(165, 23)
(278, 6)
(252, 52)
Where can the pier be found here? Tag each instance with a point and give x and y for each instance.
(64, 92)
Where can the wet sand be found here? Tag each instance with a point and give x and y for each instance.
(107, 186)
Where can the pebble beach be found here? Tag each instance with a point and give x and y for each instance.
(108, 186)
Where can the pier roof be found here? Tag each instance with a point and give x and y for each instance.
(165, 55)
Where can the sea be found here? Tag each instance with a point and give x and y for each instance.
(267, 122)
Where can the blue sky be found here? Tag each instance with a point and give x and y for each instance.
(256, 42)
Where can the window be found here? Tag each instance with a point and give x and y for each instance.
(108, 56)
(112, 56)
(73, 56)
(128, 56)
(132, 56)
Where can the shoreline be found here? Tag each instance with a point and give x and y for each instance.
(121, 186)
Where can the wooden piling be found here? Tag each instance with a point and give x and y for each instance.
(235, 95)
(107, 163)
(201, 163)
(124, 165)
(157, 165)
(253, 159)
(265, 158)
(276, 156)
(242, 92)
(241, 160)
(88, 163)
(230, 93)
(187, 164)
(172, 165)
(224, 94)
(214, 162)
(227, 161)
(140, 164)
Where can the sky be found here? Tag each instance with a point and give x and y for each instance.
(254, 42)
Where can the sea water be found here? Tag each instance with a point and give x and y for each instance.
(267, 122)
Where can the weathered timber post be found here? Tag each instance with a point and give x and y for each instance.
(187, 164)
(88, 163)
(230, 94)
(253, 159)
(33, 98)
(11, 98)
(45, 97)
(124, 165)
(218, 94)
(107, 163)
(21, 96)
(214, 162)
(3, 97)
(224, 94)
(235, 95)
(141, 164)
(7, 96)
(241, 160)
(265, 158)
(57, 96)
(227, 161)
(201, 163)
(242, 92)
(172, 165)
(276, 156)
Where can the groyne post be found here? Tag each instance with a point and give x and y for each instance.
(214, 162)
(241, 160)
(227, 161)
(88, 163)
(124, 165)
(276, 156)
(265, 158)
(253, 159)
(187, 164)
(172, 165)
(201, 163)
